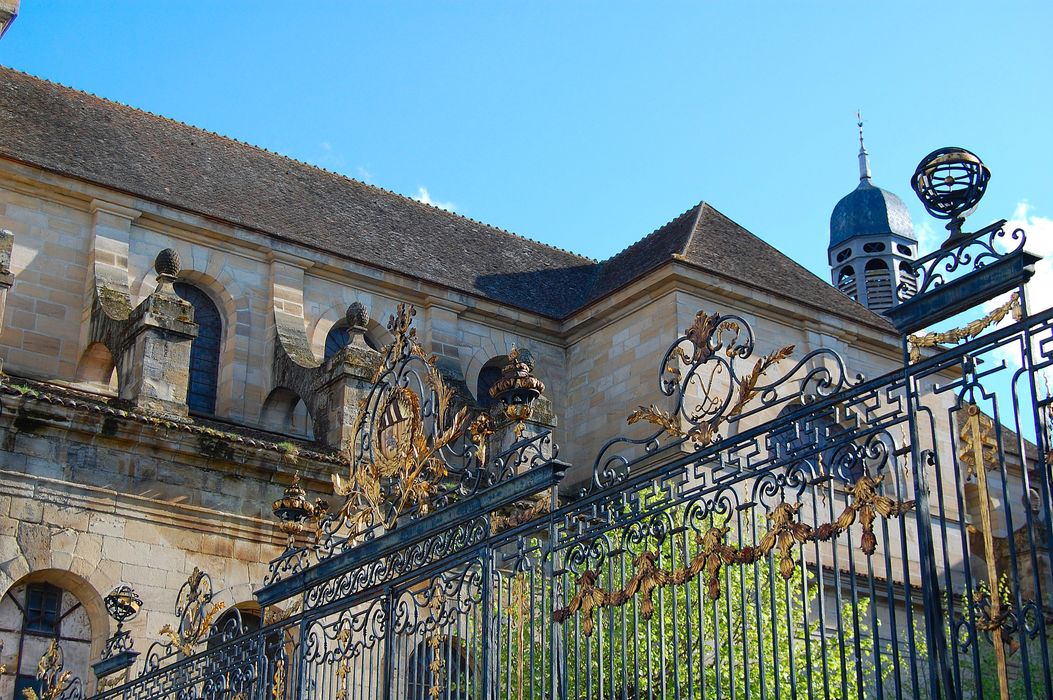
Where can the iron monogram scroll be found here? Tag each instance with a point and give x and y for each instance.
(714, 379)
(196, 613)
(413, 451)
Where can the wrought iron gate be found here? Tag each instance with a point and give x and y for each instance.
(787, 530)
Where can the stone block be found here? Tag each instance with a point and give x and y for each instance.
(106, 524)
(64, 541)
(68, 517)
(26, 510)
(125, 551)
(142, 530)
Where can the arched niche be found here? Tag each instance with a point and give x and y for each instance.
(285, 412)
(97, 369)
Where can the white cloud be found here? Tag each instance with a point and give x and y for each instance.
(424, 197)
(929, 238)
(1039, 232)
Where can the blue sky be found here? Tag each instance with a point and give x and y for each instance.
(588, 124)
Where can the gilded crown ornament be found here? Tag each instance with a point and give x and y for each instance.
(294, 511)
(518, 388)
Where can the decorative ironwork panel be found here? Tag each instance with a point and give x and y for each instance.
(785, 529)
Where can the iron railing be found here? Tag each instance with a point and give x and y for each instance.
(787, 530)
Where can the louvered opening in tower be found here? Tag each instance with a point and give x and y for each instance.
(846, 282)
(878, 280)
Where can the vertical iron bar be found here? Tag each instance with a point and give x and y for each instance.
(939, 671)
(1041, 468)
(488, 645)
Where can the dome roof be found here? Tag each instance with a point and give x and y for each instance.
(869, 210)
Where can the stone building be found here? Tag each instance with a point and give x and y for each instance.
(188, 320)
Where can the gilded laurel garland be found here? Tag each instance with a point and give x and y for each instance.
(785, 532)
(966, 332)
(521, 513)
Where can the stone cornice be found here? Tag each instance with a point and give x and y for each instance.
(98, 205)
(103, 500)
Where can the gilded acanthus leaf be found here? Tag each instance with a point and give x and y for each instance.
(658, 416)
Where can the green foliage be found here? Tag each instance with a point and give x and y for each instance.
(761, 633)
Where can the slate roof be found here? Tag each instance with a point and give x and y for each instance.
(86, 137)
(869, 210)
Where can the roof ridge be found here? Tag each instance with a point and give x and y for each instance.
(653, 233)
(313, 166)
(701, 206)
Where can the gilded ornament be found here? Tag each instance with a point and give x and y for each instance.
(930, 340)
(403, 465)
(785, 532)
(196, 613)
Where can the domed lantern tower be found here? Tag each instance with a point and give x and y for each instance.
(871, 240)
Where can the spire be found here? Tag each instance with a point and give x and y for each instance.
(864, 157)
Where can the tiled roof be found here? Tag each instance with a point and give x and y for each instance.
(81, 135)
(86, 137)
(704, 237)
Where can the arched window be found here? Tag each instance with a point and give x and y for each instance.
(204, 350)
(32, 616)
(488, 376)
(454, 681)
(226, 625)
(908, 277)
(878, 285)
(846, 281)
(339, 336)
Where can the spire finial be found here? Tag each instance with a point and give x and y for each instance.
(864, 157)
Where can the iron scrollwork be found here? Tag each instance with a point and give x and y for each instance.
(196, 613)
(714, 381)
(785, 533)
(56, 683)
(413, 451)
(962, 255)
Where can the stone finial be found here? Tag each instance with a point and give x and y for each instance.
(357, 317)
(167, 263)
